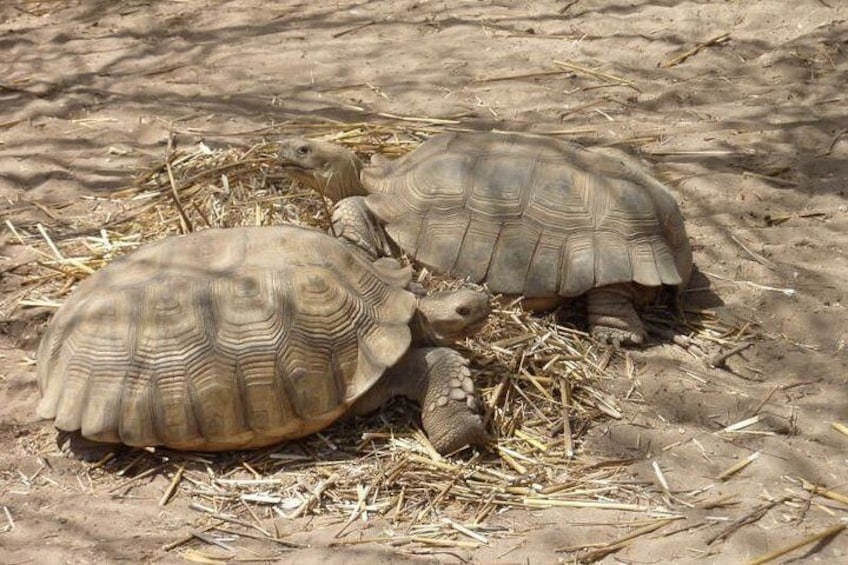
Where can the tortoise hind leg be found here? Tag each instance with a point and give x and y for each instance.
(438, 379)
(612, 317)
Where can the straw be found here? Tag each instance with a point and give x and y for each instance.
(542, 381)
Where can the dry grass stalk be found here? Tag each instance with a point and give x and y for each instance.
(748, 518)
(719, 359)
(742, 424)
(598, 553)
(466, 531)
(187, 538)
(542, 382)
(598, 74)
(661, 479)
(212, 541)
(841, 428)
(172, 488)
(683, 56)
(10, 523)
(315, 496)
(824, 492)
(771, 556)
(738, 466)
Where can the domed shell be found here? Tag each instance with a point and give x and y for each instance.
(530, 215)
(222, 339)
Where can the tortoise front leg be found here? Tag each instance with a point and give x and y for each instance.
(439, 380)
(612, 317)
(354, 222)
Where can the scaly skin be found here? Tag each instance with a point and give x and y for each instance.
(439, 380)
(612, 317)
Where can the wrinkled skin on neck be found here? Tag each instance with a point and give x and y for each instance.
(443, 318)
(329, 169)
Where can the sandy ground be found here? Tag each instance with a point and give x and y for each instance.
(749, 130)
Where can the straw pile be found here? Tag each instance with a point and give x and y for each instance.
(542, 383)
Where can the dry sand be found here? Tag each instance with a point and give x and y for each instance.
(741, 106)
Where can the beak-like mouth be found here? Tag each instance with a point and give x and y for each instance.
(475, 327)
(456, 337)
(470, 329)
(288, 163)
(295, 171)
(295, 168)
(292, 169)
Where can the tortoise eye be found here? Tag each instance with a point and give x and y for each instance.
(463, 310)
(302, 150)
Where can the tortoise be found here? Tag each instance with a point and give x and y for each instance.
(528, 215)
(241, 338)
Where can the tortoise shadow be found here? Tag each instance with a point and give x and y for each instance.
(351, 438)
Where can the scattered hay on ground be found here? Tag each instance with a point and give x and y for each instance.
(542, 384)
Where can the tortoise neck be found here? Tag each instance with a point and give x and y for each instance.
(341, 179)
(423, 334)
(421, 337)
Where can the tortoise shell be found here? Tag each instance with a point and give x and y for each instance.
(530, 215)
(222, 339)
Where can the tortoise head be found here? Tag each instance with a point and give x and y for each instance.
(446, 317)
(329, 169)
